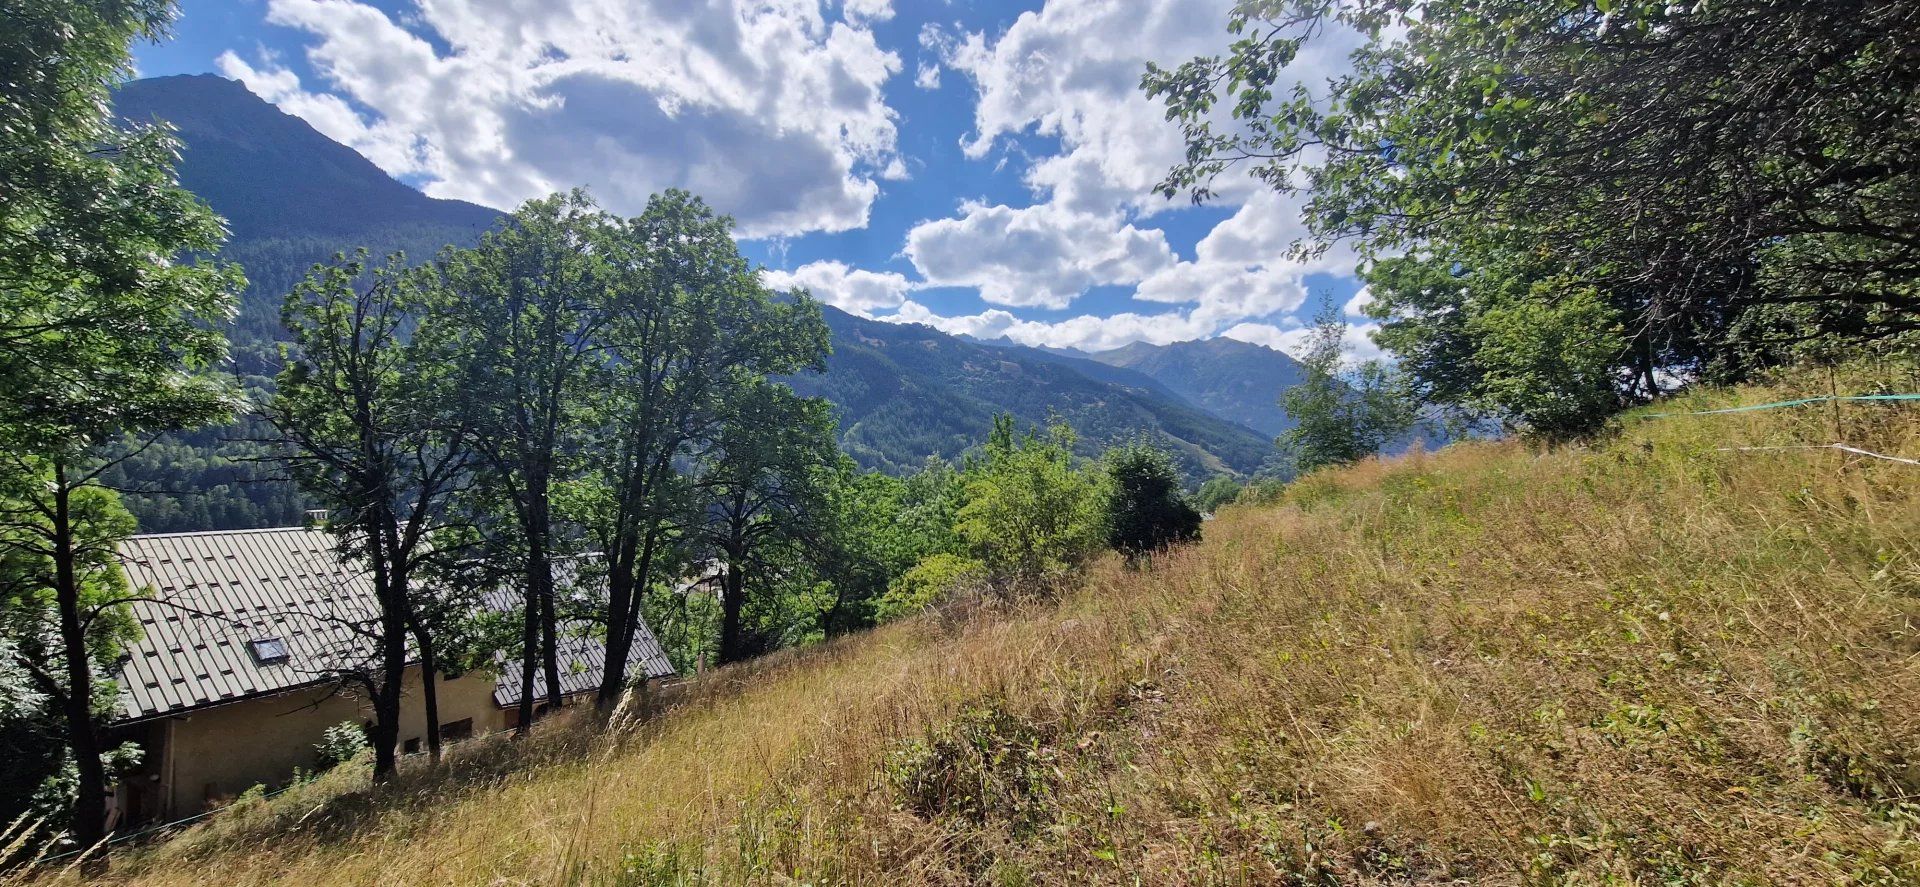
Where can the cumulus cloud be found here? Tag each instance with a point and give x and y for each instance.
(1072, 71)
(1086, 332)
(855, 290)
(1357, 306)
(1040, 256)
(1356, 346)
(772, 111)
(868, 10)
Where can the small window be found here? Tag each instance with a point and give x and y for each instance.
(412, 746)
(268, 651)
(457, 731)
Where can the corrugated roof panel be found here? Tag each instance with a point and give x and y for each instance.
(215, 592)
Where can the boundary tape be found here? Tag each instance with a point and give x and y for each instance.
(1832, 446)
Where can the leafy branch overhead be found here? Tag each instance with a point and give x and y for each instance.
(1720, 186)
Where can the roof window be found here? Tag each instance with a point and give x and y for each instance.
(268, 651)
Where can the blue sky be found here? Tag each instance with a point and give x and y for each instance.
(983, 167)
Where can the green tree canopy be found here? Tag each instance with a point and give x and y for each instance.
(108, 327)
(1342, 416)
(1030, 515)
(1726, 180)
(1145, 509)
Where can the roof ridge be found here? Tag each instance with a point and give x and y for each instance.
(222, 532)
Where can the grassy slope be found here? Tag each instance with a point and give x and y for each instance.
(1648, 662)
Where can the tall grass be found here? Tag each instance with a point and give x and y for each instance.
(1646, 661)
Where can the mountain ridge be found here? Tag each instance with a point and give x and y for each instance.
(1236, 380)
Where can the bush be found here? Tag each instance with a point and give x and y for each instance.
(1218, 492)
(1145, 510)
(927, 583)
(1030, 516)
(340, 743)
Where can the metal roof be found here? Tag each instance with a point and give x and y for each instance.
(581, 661)
(212, 594)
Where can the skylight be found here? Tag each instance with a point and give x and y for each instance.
(268, 651)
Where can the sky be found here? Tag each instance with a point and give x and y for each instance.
(986, 168)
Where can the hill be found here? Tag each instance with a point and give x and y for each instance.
(1651, 660)
(294, 197)
(1239, 381)
(906, 392)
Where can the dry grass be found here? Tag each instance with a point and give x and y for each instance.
(1644, 662)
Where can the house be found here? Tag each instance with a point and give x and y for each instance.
(244, 636)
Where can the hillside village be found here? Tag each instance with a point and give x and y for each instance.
(505, 486)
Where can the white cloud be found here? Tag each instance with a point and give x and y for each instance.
(868, 10)
(1223, 292)
(1357, 306)
(850, 289)
(927, 76)
(1356, 345)
(1086, 332)
(1072, 70)
(1039, 256)
(771, 111)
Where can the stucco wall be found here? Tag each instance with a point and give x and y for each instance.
(216, 753)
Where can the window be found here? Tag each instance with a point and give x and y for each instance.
(268, 651)
(456, 731)
(412, 746)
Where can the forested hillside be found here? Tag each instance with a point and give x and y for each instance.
(905, 393)
(1227, 377)
(291, 198)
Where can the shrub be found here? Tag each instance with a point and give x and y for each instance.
(1030, 515)
(927, 583)
(1145, 510)
(1218, 492)
(340, 743)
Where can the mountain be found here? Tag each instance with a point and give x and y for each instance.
(1235, 380)
(274, 176)
(906, 392)
(293, 197)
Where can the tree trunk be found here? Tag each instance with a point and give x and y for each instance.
(393, 657)
(90, 808)
(529, 641)
(550, 650)
(733, 599)
(429, 689)
(540, 582)
(623, 623)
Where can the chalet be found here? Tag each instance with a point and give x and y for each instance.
(244, 637)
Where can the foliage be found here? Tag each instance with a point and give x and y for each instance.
(1547, 364)
(1342, 417)
(1030, 515)
(1218, 492)
(1724, 179)
(340, 744)
(108, 327)
(1146, 511)
(930, 581)
(367, 421)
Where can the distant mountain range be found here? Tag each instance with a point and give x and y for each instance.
(1227, 377)
(293, 197)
